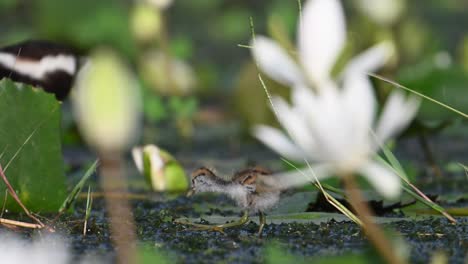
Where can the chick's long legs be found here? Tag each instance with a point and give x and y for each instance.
(262, 221)
(219, 228)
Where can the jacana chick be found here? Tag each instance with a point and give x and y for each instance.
(249, 188)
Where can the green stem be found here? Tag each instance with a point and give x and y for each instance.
(262, 221)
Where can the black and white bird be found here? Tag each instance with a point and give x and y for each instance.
(42, 64)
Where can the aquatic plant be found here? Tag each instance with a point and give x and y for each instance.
(161, 170)
(321, 38)
(331, 127)
(107, 107)
(331, 123)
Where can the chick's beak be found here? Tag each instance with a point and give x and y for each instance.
(190, 192)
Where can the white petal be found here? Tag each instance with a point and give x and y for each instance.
(296, 178)
(302, 95)
(278, 142)
(331, 126)
(275, 62)
(397, 114)
(137, 154)
(385, 181)
(358, 96)
(153, 152)
(295, 125)
(370, 60)
(304, 101)
(321, 37)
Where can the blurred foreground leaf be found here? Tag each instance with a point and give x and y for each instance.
(107, 102)
(30, 149)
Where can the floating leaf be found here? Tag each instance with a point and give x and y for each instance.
(298, 202)
(306, 217)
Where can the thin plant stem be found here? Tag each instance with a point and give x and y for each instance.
(394, 165)
(117, 195)
(13, 194)
(430, 203)
(374, 233)
(164, 44)
(423, 140)
(9, 222)
(29, 138)
(119, 211)
(78, 187)
(465, 168)
(4, 203)
(330, 199)
(89, 202)
(417, 93)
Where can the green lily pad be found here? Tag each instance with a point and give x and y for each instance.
(302, 218)
(30, 148)
(297, 202)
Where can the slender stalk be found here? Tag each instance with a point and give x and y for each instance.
(429, 154)
(373, 232)
(164, 44)
(115, 195)
(13, 194)
(418, 94)
(4, 203)
(89, 203)
(9, 222)
(121, 219)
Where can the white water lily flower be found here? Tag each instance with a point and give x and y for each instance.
(321, 38)
(331, 129)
